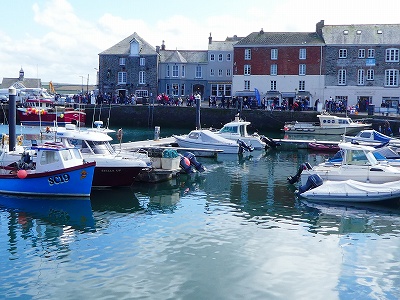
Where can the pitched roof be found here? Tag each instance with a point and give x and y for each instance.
(183, 56)
(262, 38)
(27, 82)
(361, 34)
(123, 47)
(226, 45)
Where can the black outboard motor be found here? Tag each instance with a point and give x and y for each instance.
(244, 147)
(313, 181)
(270, 143)
(193, 161)
(296, 178)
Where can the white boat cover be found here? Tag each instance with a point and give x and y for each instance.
(353, 191)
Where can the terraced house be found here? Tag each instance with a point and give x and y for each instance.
(357, 65)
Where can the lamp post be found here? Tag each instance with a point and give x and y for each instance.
(82, 83)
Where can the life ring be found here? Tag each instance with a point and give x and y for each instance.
(119, 134)
(20, 139)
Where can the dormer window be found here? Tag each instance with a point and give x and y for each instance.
(134, 50)
(345, 32)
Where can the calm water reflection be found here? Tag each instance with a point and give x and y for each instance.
(235, 231)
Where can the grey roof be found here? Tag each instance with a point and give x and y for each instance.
(183, 56)
(262, 38)
(27, 82)
(226, 45)
(361, 34)
(123, 47)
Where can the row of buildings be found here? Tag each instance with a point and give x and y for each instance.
(353, 64)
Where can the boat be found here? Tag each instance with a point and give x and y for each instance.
(348, 190)
(372, 137)
(323, 147)
(237, 129)
(358, 163)
(206, 139)
(113, 168)
(46, 112)
(50, 169)
(328, 124)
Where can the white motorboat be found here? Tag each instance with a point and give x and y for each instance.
(348, 190)
(206, 139)
(112, 168)
(372, 137)
(328, 124)
(237, 129)
(358, 163)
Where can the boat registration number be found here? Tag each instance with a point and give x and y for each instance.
(63, 178)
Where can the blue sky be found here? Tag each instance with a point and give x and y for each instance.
(59, 40)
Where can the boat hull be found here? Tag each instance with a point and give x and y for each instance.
(353, 191)
(75, 181)
(115, 176)
(322, 131)
(66, 117)
(227, 149)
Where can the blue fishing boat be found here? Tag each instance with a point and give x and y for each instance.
(50, 169)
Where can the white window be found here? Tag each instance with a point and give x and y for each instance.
(273, 85)
(212, 57)
(342, 77)
(247, 54)
(199, 72)
(392, 77)
(122, 61)
(142, 77)
(302, 85)
(302, 69)
(167, 71)
(142, 61)
(342, 53)
(371, 53)
(220, 57)
(228, 57)
(303, 53)
(220, 72)
(247, 85)
(392, 55)
(274, 54)
(247, 69)
(175, 71)
(121, 77)
(361, 53)
(360, 77)
(370, 74)
(183, 71)
(212, 72)
(228, 72)
(274, 70)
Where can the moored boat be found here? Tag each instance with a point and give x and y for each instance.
(328, 124)
(206, 139)
(46, 112)
(237, 129)
(50, 169)
(323, 147)
(349, 190)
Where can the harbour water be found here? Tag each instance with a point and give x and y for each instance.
(235, 231)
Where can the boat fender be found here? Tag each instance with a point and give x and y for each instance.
(313, 181)
(185, 165)
(20, 139)
(296, 178)
(119, 134)
(193, 161)
(244, 147)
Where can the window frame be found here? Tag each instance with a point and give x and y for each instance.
(274, 54)
(122, 77)
(247, 54)
(302, 53)
(302, 69)
(273, 70)
(342, 53)
(342, 77)
(247, 70)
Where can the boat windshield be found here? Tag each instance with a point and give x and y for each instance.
(229, 129)
(360, 157)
